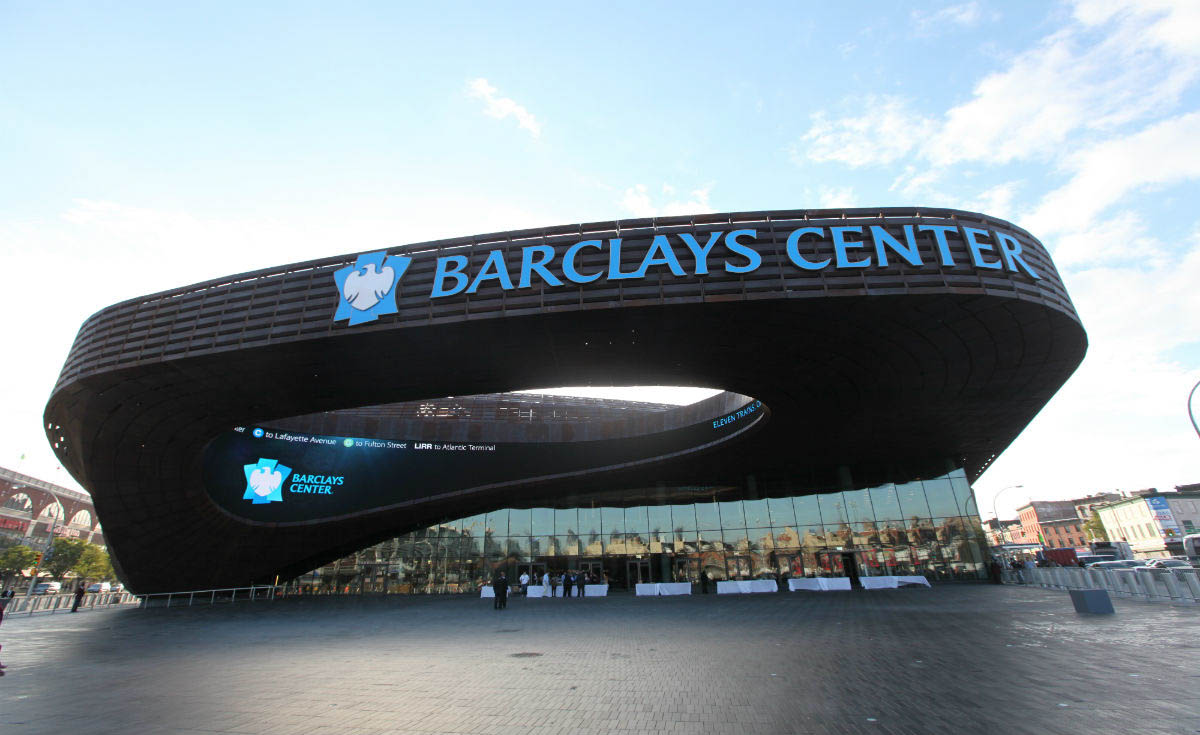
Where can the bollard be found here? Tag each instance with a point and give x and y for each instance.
(1092, 602)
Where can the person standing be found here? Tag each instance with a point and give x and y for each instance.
(545, 584)
(568, 580)
(79, 593)
(500, 591)
(583, 580)
(525, 583)
(553, 585)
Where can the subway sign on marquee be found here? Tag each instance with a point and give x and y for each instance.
(367, 288)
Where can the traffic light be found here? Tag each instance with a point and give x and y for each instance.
(38, 560)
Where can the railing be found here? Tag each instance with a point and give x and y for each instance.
(64, 601)
(213, 597)
(1180, 586)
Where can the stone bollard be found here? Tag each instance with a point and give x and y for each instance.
(1095, 602)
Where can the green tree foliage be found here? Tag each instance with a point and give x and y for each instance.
(1094, 529)
(94, 564)
(64, 557)
(16, 559)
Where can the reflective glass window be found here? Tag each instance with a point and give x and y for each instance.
(940, 495)
(543, 522)
(782, 512)
(707, 516)
(912, 500)
(808, 512)
(858, 506)
(659, 518)
(735, 540)
(612, 521)
(683, 517)
(566, 545)
(589, 522)
(833, 509)
(886, 503)
(519, 522)
(812, 537)
(761, 539)
(497, 522)
(636, 520)
(757, 514)
(565, 520)
(732, 515)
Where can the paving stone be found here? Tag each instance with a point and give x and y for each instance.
(957, 658)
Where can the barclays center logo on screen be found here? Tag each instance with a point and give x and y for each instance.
(264, 481)
(367, 289)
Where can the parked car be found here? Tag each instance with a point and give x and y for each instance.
(1118, 564)
(100, 587)
(47, 588)
(118, 587)
(1169, 564)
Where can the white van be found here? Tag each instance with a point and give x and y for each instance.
(100, 587)
(47, 588)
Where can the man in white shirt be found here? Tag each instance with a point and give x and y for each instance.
(545, 584)
(525, 583)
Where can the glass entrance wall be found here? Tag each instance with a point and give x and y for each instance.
(924, 527)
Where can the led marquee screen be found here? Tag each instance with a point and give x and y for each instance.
(278, 476)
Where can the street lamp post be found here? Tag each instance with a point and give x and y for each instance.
(1191, 415)
(995, 513)
(49, 548)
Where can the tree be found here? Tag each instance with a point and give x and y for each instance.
(94, 564)
(64, 556)
(1095, 528)
(16, 559)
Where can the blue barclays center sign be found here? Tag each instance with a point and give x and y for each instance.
(367, 289)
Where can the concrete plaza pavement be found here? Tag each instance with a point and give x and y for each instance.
(955, 658)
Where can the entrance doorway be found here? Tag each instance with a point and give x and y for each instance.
(535, 570)
(637, 572)
(687, 570)
(850, 567)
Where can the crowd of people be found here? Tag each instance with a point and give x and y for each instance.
(573, 582)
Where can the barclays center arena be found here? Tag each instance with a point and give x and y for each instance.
(353, 423)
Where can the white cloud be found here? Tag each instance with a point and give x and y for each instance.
(502, 107)
(963, 15)
(1145, 55)
(886, 131)
(836, 197)
(1119, 239)
(637, 202)
(998, 201)
(1119, 62)
(1164, 153)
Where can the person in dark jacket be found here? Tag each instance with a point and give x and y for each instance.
(568, 580)
(500, 590)
(582, 582)
(79, 593)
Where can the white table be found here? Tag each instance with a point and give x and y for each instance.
(651, 589)
(891, 582)
(745, 587)
(818, 584)
(487, 591)
(538, 591)
(595, 590)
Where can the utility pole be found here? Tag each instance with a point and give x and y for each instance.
(42, 556)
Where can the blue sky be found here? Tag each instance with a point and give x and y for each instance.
(148, 146)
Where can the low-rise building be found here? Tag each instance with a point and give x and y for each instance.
(1153, 523)
(1035, 513)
